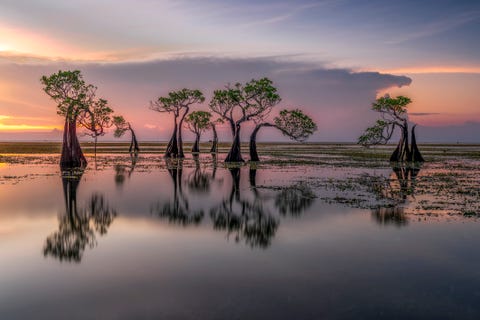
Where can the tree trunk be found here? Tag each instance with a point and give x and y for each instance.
(406, 154)
(133, 142)
(196, 147)
(402, 152)
(253, 141)
(72, 155)
(95, 148)
(415, 155)
(172, 147)
(180, 140)
(235, 153)
(214, 148)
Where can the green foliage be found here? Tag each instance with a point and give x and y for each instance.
(387, 104)
(393, 112)
(375, 134)
(198, 121)
(295, 124)
(253, 101)
(96, 118)
(121, 126)
(175, 100)
(69, 91)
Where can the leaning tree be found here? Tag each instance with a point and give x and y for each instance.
(292, 123)
(241, 103)
(73, 96)
(176, 102)
(96, 119)
(122, 126)
(197, 122)
(393, 113)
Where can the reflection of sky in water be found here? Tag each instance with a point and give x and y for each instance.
(325, 261)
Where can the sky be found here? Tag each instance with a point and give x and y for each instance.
(330, 58)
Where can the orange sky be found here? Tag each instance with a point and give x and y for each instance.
(439, 56)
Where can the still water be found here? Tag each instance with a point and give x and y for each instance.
(200, 241)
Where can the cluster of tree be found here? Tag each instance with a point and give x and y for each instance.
(234, 105)
(78, 104)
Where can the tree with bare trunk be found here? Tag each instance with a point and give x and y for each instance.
(393, 112)
(213, 125)
(197, 122)
(292, 123)
(73, 96)
(241, 103)
(122, 126)
(176, 102)
(96, 119)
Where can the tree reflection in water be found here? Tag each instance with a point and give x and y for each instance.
(199, 180)
(400, 186)
(122, 172)
(246, 220)
(76, 230)
(178, 210)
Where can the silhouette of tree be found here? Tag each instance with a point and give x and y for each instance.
(73, 96)
(241, 103)
(122, 126)
(393, 112)
(75, 231)
(294, 200)
(175, 102)
(123, 171)
(248, 221)
(199, 180)
(177, 211)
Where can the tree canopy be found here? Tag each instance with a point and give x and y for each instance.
(69, 91)
(393, 112)
(295, 124)
(198, 121)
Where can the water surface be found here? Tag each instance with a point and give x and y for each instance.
(198, 240)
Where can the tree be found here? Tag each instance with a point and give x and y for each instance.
(96, 119)
(213, 125)
(197, 122)
(241, 103)
(122, 126)
(393, 112)
(73, 96)
(292, 123)
(175, 102)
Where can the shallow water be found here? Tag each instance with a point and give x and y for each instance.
(199, 241)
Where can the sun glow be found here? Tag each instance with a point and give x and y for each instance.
(8, 127)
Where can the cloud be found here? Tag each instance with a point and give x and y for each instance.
(338, 99)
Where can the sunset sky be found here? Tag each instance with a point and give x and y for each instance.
(331, 58)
